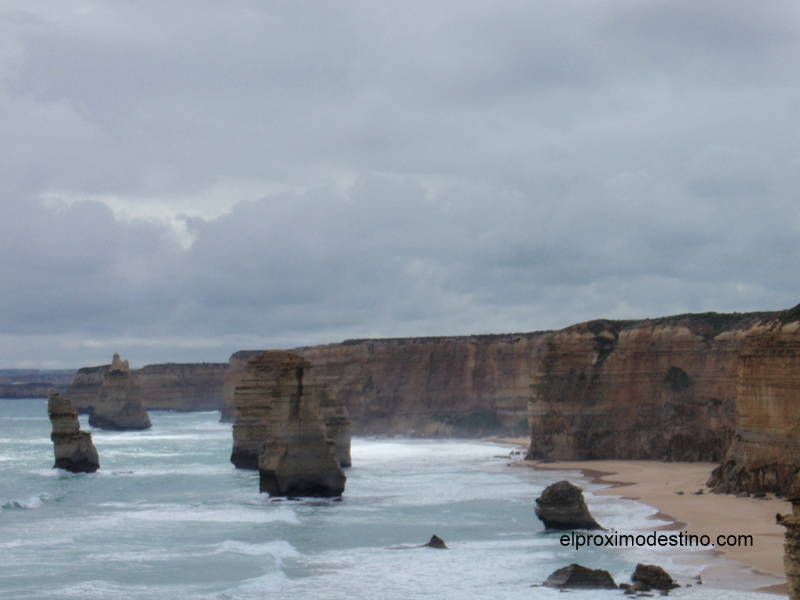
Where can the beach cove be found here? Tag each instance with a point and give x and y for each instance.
(672, 489)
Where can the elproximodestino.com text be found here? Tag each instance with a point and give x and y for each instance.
(662, 540)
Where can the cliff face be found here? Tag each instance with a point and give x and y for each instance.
(765, 453)
(182, 386)
(660, 389)
(450, 386)
(118, 405)
(33, 383)
(168, 386)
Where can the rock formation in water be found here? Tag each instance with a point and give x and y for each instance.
(118, 405)
(73, 448)
(561, 506)
(661, 389)
(578, 577)
(278, 417)
(791, 544)
(765, 453)
(167, 386)
(435, 542)
(85, 386)
(251, 410)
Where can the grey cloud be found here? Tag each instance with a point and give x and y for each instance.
(449, 167)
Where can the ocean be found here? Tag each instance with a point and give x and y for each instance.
(168, 517)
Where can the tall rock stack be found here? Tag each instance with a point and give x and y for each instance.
(765, 453)
(279, 426)
(73, 448)
(248, 408)
(118, 405)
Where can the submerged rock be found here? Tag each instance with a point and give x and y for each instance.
(436, 542)
(561, 506)
(73, 448)
(578, 577)
(278, 412)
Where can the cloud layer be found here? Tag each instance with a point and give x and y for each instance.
(182, 180)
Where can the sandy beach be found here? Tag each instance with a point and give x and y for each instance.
(657, 484)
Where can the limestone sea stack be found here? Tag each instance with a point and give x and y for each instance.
(561, 506)
(251, 408)
(118, 405)
(278, 412)
(73, 448)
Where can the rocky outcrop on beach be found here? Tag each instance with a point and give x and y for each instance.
(578, 577)
(168, 386)
(652, 577)
(561, 506)
(73, 448)
(764, 455)
(118, 405)
(254, 399)
(662, 389)
(791, 544)
(277, 408)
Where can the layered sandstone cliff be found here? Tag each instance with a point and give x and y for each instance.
(182, 386)
(73, 448)
(118, 405)
(661, 389)
(466, 386)
(167, 386)
(765, 453)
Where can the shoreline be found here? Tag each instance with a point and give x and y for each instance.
(758, 568)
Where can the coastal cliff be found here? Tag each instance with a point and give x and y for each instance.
(466, 386)
(662, 389)
(167, 386)
(182, 386)
(765, 453)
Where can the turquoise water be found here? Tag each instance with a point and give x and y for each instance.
(167, 516)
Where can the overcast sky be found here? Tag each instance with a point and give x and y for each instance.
(182, 179)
